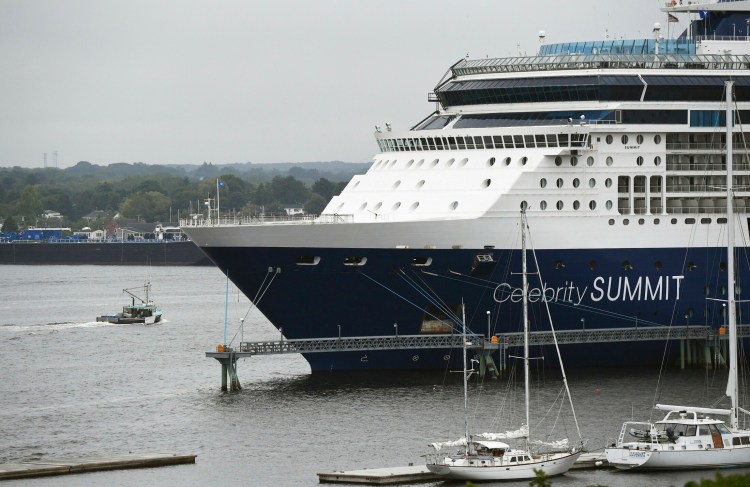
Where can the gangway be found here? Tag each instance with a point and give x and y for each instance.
(687, 335)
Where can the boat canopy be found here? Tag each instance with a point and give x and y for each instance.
(668, 407)
(522, 432)
(493, 445)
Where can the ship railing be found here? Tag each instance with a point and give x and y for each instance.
(268, 220)
(714, 37)
(697, 146)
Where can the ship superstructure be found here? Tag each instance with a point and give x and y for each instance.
(615, 148)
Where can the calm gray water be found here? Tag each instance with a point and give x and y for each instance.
(73, 387)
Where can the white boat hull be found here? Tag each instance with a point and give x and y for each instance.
(627, 459)
(556, 465)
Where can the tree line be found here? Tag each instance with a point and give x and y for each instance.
(148, 194)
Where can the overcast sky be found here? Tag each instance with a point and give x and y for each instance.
(181, 81)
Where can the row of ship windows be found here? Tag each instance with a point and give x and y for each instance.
(673, 221)
(558, 265)
(576, 182)
(529, 141)
(573, 161)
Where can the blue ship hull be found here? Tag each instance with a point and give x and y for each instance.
(591, 288)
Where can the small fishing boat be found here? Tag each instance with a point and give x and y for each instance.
(145, 312)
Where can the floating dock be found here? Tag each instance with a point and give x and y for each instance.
(64, 466)
(419, 473)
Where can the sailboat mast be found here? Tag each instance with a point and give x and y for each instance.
(732, 390)
(466, 383)
(525, 287)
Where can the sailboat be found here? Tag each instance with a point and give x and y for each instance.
(693, 437)
(487, 456)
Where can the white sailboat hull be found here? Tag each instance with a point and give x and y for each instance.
(551, 465)
(627, 459)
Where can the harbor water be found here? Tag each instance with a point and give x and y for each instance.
(72, 387)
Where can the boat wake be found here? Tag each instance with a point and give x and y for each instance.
(56, 326)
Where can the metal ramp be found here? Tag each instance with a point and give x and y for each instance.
(499, 344)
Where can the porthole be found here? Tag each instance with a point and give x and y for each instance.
(624, 139)
(558, 161)
(435, 162)
(592, 183)
(414, 206)
(608, 204)
(576, 182)
(486, 183)
(409, 164)
(543, 205)
(626, 222)
(559, 182)
(705, 221)
(396, 205)
(559, 265)
(657, 161)
(463, 162)
(453, 205)
(450, 162)
(419, 164)
(641, 221)
(608, 182)
(340, 206)
(691, 266)
(543, 183)
(639, 139)
(674, 221)
(362, 206)
(592, 205)
(690, 221)
(721, 221)
(377, 207)
(609, 139)
(657, 139)
(658, 265)
(576, 205)
(610, 160)
(611, 221)
(308, 260)
(574, 161)
(639, 160)
(507, 161)
(393, 163)
(592, 265)
(590, 161)
(420, 184)
(626, 265)
(524, 205)
(491, 162)
(560, 205)
(396, 184)
(524, 160)
(356, 184)
(355, 261)
(421, 261)
(656, 221)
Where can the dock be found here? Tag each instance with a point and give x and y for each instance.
(419, 473)
(65, 466)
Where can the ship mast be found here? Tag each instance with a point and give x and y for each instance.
(524, 288)
(732, 390)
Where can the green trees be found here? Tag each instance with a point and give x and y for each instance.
(154, 193)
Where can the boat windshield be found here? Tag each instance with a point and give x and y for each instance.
(676, 429)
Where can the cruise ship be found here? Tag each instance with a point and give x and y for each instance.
(615, 149)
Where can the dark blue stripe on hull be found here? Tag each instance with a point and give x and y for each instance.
(585, 288)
